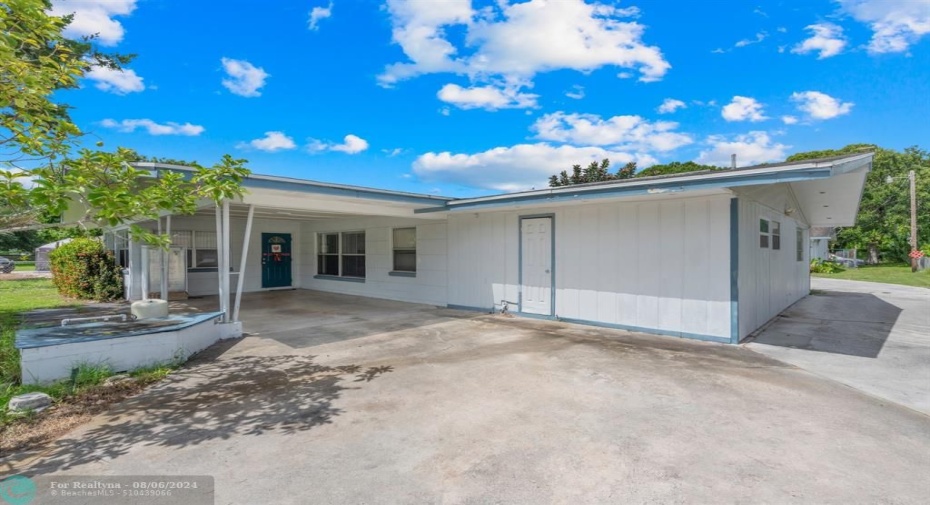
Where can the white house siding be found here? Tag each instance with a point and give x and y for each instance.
(660, 265)
(429, 284)
(769, 280)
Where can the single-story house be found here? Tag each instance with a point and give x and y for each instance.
(706, 255)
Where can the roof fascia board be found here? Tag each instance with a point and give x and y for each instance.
(656, 187)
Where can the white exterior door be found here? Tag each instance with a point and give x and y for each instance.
(536, 265)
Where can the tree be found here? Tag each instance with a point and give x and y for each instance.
(39, 60)
(883, 223)
(109, 191)
(675, 167)
(599, 172)
(595, 172)
(39, 179)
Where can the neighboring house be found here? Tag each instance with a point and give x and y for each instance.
(820, 241)
(707, 255)
(42, 252)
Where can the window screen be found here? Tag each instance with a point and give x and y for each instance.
(776, 235)
(764, 233)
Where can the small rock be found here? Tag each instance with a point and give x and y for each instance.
(30, 401)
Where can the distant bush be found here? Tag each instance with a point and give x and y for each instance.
(819, 266)
(83, 269)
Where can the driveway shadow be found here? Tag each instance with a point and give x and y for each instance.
(217, 397)
(839, 322)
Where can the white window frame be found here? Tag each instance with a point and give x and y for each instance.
(340, 253)
(395, 249)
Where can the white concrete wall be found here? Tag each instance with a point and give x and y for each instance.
(659, 265)
(769, 280)
(429, 285)
(51, 363)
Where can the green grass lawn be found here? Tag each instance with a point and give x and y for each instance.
(18, 296)
(890, 274)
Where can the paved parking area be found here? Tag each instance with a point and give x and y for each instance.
(339, 399)
(873, 337)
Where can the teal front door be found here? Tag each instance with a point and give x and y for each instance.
(276, 260)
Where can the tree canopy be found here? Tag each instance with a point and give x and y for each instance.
(39, 60)
(598, 172)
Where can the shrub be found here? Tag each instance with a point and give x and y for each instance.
(819, 266)
(83, 269)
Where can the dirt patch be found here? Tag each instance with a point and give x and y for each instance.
(66, 414)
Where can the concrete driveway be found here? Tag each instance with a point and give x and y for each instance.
(873, 337)
(349, 400)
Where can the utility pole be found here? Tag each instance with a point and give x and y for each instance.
(912, 177)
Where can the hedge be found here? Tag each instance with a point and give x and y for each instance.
(83, 269)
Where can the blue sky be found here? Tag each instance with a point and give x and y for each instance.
(466, 98)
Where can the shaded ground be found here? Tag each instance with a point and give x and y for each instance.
(874, 337)
(414, 404)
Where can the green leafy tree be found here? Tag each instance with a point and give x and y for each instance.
(109, 191)
(598, 172)
(38, 60)
(595, 172)
(883, 224)
(675, 167)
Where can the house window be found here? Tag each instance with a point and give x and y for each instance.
(405, 249)
(341, 254)
(764, 233)
(800, 244)
(200, 245)
(776, 234)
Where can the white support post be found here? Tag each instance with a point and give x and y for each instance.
(164, 268)
(219, 257)
(226, 259)
(245, 254)
(145, 272)
(167, 257)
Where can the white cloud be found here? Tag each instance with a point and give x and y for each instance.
(514, 42)
(759, 38)
(397, 151)
(670, 105)
(819, 105)
(621, 132)
(827, 38)
(576, 93)
(486, 97)
(271, 142)
(352, 144)
(244, 79)
(789, 119)
(516, 167)
(318, 14)
(896, 24)
(750, 149)
(153, 128)
(119, 82)
(743, 108)
(95, 17)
